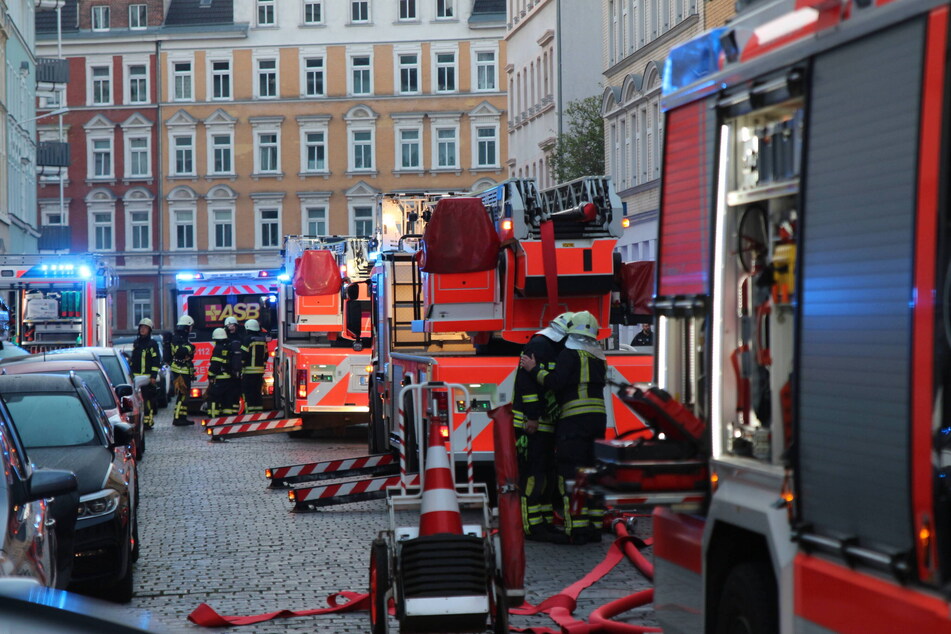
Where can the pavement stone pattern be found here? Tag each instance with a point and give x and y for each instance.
(212, 532)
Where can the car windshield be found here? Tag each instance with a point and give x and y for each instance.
(97, 383)
(113, 369)
(32, 414)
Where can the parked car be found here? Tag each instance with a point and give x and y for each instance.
(117, 369)
(124, 345)
(28, 539)
(92, 372)
(9, 350)
(80, 438)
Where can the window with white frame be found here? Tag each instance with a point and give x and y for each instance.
(140, 229)
(101, 163)
(182, 81)
(447, 147)
(138, 83)
(410, 148)
(359, 11)
(222, 228)
(53, 100)
(101, 234)
(363, 220)
(183, 228)
(100, 18)
(360, 75)
(313, 12)
(52, 215)
(445, 72)
(221, 153)
(267, 153)
(141, 300)
(221, 79)
(268, 227)
(183, 155)
(487, 146)
(361, 141)
(409, 73)
(267, 78)
(485, 70)
(445, 9)
(138, 164)
(266, 12)
(138, 16)
(101, 85)
(408, 10)
(315, 152)
(315, 220)
(314, 77)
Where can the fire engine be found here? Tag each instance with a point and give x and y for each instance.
(210, 297)
(57, 302)
(803, 296)
(460, 283)
(323, 330)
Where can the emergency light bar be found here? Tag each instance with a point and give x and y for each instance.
(83, 271)
(189, 277)
(692, 61)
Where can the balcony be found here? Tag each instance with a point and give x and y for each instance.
(51, 157)
(52, 73)
(49, 5)
(54, 238)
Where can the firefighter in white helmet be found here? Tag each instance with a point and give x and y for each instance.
(222, 376)
(254, 358)
(145, 362)
(183, 369)
(578, 381)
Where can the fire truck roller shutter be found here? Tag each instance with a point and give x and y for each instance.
(459, 238)
(858, 252)
(316, 272)
(637, 287)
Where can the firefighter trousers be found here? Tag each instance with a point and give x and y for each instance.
(574, 448)
(181, 398)
(224, 396)
(251, 385)
(149, 404)
(536, 475)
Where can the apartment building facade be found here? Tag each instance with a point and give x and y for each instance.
(551, 62)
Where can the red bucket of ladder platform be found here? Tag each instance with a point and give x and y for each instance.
(440, 508)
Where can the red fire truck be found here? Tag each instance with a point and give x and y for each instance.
(323, 328)
(210, 297)
(805, 233)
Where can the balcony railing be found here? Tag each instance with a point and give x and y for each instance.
(52, 154)
(52, 70)
(54, 238)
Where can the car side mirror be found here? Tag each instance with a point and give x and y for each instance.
(124, 390)
(126, 404)
(50, 483)
(122, 434)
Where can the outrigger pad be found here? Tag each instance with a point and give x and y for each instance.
(316, 273)
(459, 238)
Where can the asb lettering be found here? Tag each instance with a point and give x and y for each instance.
(216, 313)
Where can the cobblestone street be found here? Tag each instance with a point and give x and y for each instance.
(212, 532)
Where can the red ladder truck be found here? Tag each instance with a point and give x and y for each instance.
(805, 235)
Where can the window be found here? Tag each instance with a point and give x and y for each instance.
(184, 228)
(138, 16)
(100, 18)
(141, 305)
(409, 73)
(184, 155)
(485, 70)
(361, 75)
(362, 142)
(221, 153)
(315, 151)
(267, 152)
(221, 79)
(101, 85)
(102, 231)
(315, 221)
(359, 11)
(363, 221)
(53, 218)
(102, 158)
(446, 147)
(52, 100)
(444, 9)
(314, 12)
(141, 228)
(138, 157)
(182, 79)
(409, 149)
(266, 12)
(445, 72)
(267, 78)
(487, 141)
(223, 224)
(314, 76)
(408, 9)
(269, 223)
(138, 84)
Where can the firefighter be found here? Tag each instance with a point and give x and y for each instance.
(220, 376)
(145, 362)
(578, 381)
(235, 335)
(183, 369)
(254, 358)
(534, 412)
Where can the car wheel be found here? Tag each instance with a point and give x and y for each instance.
(123, 589)
(141, 445)
(136, 548)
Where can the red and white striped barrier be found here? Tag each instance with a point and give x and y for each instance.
(440, 506)
(255, 429)
(311, 498)
(376, 465)
(242, 418)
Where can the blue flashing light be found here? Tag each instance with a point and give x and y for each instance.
(692, 61)
(284, 277)
(188, 277)
(272, 299)
(85, 272)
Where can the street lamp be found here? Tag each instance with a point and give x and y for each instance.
(51, 113)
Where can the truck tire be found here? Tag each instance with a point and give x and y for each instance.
(379, 584)
(377, 441)
(748, 604)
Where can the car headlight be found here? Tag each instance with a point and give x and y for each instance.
(97, 504)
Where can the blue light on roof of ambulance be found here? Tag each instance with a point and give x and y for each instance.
(85, 272)
(272, 299)
(186, 277)
(692, 61)
(284, 277)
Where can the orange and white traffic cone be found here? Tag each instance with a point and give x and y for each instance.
(440, 507)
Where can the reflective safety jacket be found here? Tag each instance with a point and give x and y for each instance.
(145, 357)
(183, 352)
(532, 401)
(577, 380)
(254, 353)
(223, 359)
